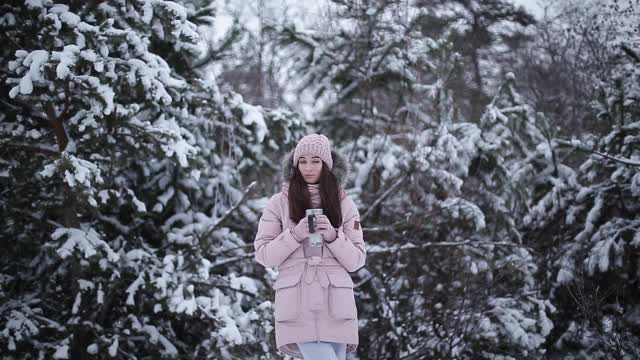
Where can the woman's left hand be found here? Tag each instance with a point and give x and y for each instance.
(325, 228)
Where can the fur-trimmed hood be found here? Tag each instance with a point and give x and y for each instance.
(340, 169)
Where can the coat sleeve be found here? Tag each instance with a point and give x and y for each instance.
(272, 245)
(349, 247)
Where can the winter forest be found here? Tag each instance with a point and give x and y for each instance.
(495, 161)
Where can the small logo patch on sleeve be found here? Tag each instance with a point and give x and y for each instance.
(356, 224)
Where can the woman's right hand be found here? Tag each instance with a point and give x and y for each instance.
(301, 231)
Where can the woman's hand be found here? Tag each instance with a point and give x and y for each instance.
(325, 228)
(301, 231)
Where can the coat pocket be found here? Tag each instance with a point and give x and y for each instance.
(287, 302)
(342, 302)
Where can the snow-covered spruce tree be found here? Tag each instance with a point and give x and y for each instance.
(484, 33)
(121, 171)
(514, 155)
(358, 66)
(254, 70)
(589, 226)
(447, 275)
(466, 287)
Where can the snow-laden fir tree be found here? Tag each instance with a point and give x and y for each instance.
(588, 216)
(467, 286)
(351, 64)
(485, 33)
(123, 175)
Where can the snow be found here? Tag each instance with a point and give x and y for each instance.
(19, 326)
(204, 268)
(565, 271)
(70, 19)
(252, 115)
(100, 295)
(516, 325)
(113, 348)
(62, 352)
(86, 284)
(634, 185)
(179, 304)
(147, 12)
(178, 11)
(136, 254)
(82, 175)
(26, 86)
(163, 199)
(83, 27)
(175, 145)
(7, 20)
(140, 206)
(592, 217)
(67, 58)
(465, 210)
(76, 304)
(62, 12)
(36, 61)
(35, 4)
(57, 24)
(85, 240)
(34, 134)
(107, 94)
(231, 333)
(636, 238)
(169, 349)
(133, 288)
(158, 29)
(243, 283)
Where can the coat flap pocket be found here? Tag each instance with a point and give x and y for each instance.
(287, 280)
(340, 279)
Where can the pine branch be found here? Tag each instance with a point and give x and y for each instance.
(213, 227)
(398, 182)
(46, 151)
(583, 147)
(374, 249)
(631, 53)
(227, 261)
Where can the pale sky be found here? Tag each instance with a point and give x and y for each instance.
(532, 5)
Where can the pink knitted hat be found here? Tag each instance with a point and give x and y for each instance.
(314, 145)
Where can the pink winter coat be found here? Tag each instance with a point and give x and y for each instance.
(314, 299)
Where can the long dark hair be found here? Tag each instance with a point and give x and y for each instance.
(300, 199)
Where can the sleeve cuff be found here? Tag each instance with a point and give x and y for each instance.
(336, 238)
(292, 240)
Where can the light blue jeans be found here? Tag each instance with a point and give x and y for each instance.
(323, 350)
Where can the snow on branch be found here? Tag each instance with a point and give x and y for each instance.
(376, 249)
(580, 146)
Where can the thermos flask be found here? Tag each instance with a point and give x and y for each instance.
(315, 239)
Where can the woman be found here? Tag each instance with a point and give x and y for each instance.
(315, 309)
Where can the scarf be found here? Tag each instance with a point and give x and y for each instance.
(314, 192)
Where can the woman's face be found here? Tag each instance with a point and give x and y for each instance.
(310, 168)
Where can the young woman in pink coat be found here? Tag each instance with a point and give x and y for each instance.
(315, 310)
